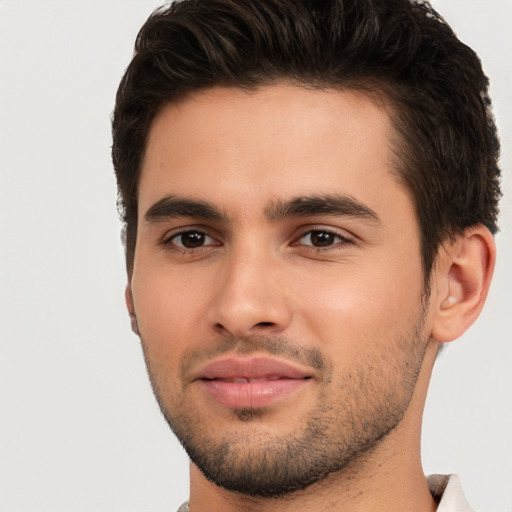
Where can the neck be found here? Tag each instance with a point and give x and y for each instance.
(385, 479)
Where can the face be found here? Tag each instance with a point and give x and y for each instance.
(277, 284)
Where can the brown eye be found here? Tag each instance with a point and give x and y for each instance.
(191, 239)
(319, 238)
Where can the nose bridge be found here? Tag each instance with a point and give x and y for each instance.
(251, 295)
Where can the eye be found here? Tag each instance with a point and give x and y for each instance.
(191, 240)
(322, 238)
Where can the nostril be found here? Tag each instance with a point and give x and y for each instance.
(242, 330)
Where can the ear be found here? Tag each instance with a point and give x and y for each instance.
(128, 295)
(460, 282)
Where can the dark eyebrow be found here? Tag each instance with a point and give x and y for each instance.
(171, 207)
(309, 206)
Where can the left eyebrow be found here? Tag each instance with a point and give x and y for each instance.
(331, 205)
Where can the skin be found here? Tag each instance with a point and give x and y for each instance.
(358, 301)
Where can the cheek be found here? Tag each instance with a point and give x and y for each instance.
(361, 303)
(168, 306)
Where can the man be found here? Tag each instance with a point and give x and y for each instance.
(310, 193)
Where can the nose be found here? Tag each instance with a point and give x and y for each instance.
(251, 296)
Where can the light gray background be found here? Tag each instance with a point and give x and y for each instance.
(79, 427)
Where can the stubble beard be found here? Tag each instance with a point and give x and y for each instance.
(355, 413)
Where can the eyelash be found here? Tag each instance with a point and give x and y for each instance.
(343, 240)
(168, 241)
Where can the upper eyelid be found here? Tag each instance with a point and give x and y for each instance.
(179, 233)
(342, 233)
(174, 232)
(332, 231)
(343, 239)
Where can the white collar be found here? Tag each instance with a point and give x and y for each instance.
(447, 489)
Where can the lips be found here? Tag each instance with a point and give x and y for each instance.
(252, 382)
(239, 380)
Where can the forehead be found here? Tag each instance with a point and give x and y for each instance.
(240, 148)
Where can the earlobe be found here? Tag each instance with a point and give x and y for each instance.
(128, 295)
(461, 279)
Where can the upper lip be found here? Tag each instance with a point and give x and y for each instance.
(251, 368)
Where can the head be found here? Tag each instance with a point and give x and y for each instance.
(303, 185)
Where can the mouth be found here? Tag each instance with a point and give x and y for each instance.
(243, 380)
(252, 382)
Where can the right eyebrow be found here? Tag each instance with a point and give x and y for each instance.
(171, 207)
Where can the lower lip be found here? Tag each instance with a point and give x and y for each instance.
(251, 395)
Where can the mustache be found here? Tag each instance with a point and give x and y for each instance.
(272, 345)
